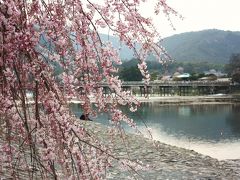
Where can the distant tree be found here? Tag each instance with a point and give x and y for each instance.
(154, 68)
(236, 75)
(233, 67)
(234, 63)
(201, 75)
(154, 76)
(194, 77)
(130, 74)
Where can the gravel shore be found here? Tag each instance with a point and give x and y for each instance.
(165, 161)
(159, 161)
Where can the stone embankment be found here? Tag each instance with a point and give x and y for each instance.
(165, 161)
(215, 99)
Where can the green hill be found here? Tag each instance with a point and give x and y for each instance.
(213, 46)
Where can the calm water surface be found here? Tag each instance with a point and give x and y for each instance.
(212, 130)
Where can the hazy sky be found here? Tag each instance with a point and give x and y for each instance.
(201, 14)
(198, 15)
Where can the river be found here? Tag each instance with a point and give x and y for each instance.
(210, 129)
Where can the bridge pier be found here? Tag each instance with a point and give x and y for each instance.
(145, 90)
(128, 88)
(106, 91)
(184, 90)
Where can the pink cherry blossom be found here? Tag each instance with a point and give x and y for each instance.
(53, 51)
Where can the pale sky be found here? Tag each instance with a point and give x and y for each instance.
(201, 14)
(198, 15)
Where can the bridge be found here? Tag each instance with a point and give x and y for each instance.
(178, 83)
(170, 88)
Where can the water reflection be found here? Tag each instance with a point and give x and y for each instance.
(213, 130)
(194, 121)
(233, 120)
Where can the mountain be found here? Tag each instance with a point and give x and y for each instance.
(125, 52)
(213, 46)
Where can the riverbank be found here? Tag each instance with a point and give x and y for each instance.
(165, 100)
(210, 99)
(159, 161)
(165, 161)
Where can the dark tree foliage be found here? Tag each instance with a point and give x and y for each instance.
(234, 63)
(131, 73)
(233, 67)
(196, 76)
(161, 69)
(154, 76)
(236, 75)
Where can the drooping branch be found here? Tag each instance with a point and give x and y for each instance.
(49, 51)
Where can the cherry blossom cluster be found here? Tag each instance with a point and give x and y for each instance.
(51, 52)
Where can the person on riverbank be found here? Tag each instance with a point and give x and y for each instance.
(85, 117)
